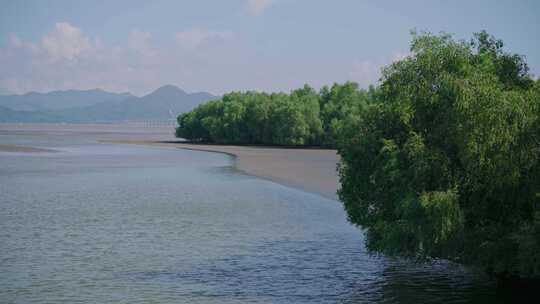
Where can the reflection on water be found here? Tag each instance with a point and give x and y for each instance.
(102, 223)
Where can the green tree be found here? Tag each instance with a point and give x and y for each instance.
(338, 104)
(308, 101)
(443, 161)
(256, 118)
(258, 107)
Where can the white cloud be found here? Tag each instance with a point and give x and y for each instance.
(257, 7)
(197, 59)
(65, 58)
(65, 42)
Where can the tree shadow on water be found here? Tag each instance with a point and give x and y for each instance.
(438, 281)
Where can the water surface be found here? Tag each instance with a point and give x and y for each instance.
(104, 223)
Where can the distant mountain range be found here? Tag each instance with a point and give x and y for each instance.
(99, 106)
(58, 100)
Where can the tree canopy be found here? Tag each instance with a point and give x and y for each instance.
(443, 162)
(303, 117)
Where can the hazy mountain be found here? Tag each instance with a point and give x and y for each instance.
(59, 99)
(162, 104)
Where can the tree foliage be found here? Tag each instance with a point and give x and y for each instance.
(303, 117)
(443, 159)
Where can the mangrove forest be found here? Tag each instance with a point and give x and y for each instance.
(440, 160)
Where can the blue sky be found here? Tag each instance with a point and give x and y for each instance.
(220, 46)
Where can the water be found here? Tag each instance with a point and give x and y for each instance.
(104, 223)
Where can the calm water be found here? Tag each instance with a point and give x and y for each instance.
(103, 223)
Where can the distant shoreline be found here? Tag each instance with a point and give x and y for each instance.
(309, 169)
(23, 149)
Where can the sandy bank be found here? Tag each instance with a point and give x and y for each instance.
(312, 170)
(24, 149)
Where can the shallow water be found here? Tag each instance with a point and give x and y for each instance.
(103, 223)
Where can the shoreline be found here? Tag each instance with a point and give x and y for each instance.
(24, 149)
(308, 169)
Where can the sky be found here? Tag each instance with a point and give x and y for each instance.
(229, 45)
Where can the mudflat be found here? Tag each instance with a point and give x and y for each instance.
(23, 149)
(309, 169)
